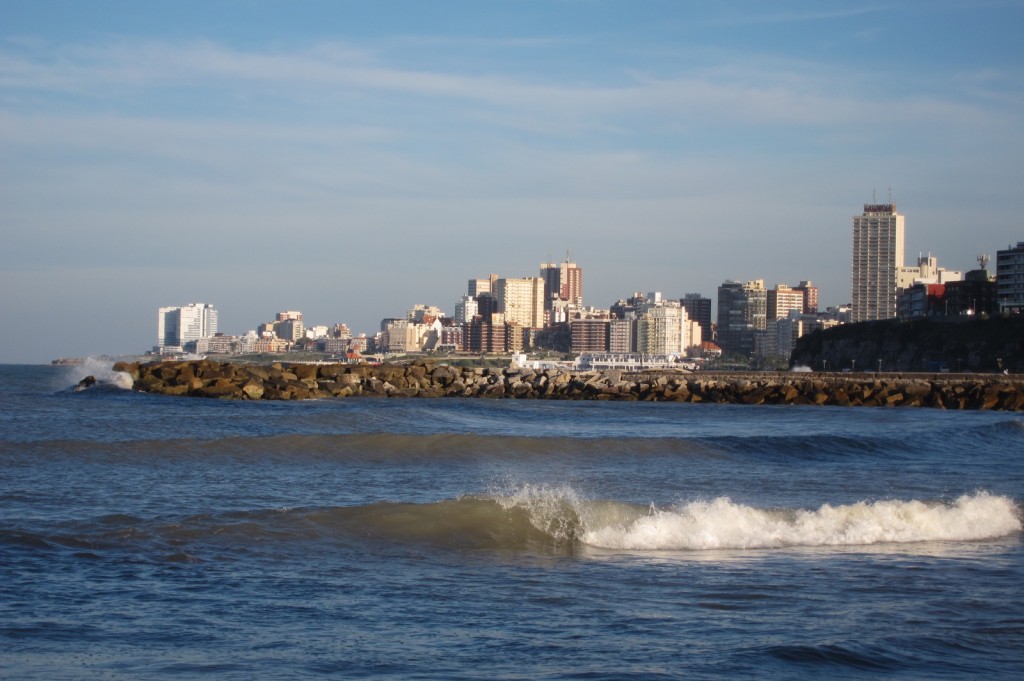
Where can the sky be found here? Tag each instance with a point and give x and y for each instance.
(351, 159)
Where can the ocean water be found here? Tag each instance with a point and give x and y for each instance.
(149, 537)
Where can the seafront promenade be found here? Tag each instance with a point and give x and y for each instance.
(226, 380)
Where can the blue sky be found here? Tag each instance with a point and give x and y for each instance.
(352, 159)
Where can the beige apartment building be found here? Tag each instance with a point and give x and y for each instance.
(877, 257)
(521, 301)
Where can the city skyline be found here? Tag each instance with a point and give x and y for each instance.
(351, 160)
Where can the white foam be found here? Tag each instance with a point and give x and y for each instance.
(722, 524)
(103, 371)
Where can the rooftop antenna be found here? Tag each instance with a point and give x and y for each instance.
(874, 199)
(890, 195)
(983, 260)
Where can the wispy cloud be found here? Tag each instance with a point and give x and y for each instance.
(338, 76)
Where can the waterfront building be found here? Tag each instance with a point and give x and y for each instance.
(742, 313)
(1010, 279)
(977, 293)
(605, 361)
(625, 309)
(452, 338)
(622, 335)
(661, 327)
(927, 271)
(698, 309)
(521, 300)
(334, 346)
(486, 305)
(486, 335)
(403, 336)
(466, 309)
(478, 286)
(562, 281)
(219, 344)
(694, 334)
(290, 329)
(782, 300)
(177, 326)
(878, 236)
(424, 314)
(589, 335)
(921, 300)
(810, 292)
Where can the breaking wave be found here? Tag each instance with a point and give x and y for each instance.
(549, 519)
(103, 371)
(724, 524)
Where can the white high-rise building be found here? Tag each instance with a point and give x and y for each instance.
(177, 326)
(662, 328)
(466, 309)
(877, 257)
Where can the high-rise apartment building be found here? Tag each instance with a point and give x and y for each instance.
(479, 286)
(662, 329)
(698, 309)
(1010, 279)
(562, 281)
(521, 301)
(589, 335)
(177, 326)
(782, 300)
(810, 292)
(877, 257)
(466, 309)
(742, 313)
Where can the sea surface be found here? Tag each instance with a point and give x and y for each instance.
(152, 537)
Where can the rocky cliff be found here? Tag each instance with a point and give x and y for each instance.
(955, 344)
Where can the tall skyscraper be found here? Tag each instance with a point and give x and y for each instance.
(742, 312)
(177, 326)
(877, 256)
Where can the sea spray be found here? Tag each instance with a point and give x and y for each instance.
(724, 524)
(101, 370)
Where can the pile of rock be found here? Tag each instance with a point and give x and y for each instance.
(427, 379)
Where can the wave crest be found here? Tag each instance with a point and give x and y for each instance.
(723, 524)
(543, 519)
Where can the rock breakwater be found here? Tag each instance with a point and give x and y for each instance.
(226, 380)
